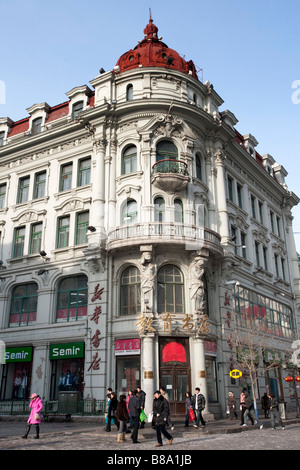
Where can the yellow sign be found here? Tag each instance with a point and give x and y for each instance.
(235, 374)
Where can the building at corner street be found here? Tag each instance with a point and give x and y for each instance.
(140, 235)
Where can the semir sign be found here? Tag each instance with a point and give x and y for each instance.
(18, 354)
(66, 351)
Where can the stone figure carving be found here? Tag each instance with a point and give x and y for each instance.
(197, 286)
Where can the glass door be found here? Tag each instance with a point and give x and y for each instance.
(176, 383)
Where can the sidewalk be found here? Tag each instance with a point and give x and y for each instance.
(15, 426)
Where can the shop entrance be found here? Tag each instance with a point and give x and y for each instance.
(175, 372)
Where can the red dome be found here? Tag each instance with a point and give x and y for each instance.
(152, 52)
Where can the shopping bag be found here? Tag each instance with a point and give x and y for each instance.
(150, 417)
(143, 416)
(192, 415)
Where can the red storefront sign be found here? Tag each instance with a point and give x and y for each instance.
(126, 347)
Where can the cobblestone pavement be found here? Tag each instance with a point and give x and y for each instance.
(91, 436)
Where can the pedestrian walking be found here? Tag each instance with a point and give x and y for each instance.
(135, 410)
(250, 410)
(274, 411)
(198, 405)
(111, 413)
(166, 396)
(36, 406)
(231, 404)
(142, 397)
(188, 408)
(123, 417)
(265, 404)
(129, 396)
(243, 407)
(160, 412)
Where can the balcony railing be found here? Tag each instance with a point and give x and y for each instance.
(170, 175)
(170, 166)
(163, 232)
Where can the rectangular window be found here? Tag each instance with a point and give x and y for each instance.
(272, 221)
(36, 126)
(260, 208)
(239, 195)
(81, 228)
(19, 241)
(265, 258)
(276, 265)
(66, 177)
(230, 188)
(63, 232)
(2, 134)
(257, 257)
(23, 190)
(84, 172)
(36, 238)
(253, 209)
(278, 226)
(234, 238)
(77, 108)
(39, 185)
(2, 195)
(283, 268)
(243, 243)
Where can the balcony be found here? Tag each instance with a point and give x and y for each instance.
(161, 233)
(170, 175)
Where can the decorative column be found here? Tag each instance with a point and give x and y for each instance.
(199, 371)
(98, 193)
(147, 369)
(221, 196)
(38, 379)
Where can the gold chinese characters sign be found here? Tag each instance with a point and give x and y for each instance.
(145, 324)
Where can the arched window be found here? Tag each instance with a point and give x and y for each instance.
(129, 92)
(129, 160)
(159, 209)
(170, 292)
(198, 167)
(23, 306)
(166, 150)
(130, 291)
(178, 211)
(130, 213)
(72, 298)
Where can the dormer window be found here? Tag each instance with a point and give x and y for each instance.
(2, 135)
(77, 108)
(129, 93)
(36, 126)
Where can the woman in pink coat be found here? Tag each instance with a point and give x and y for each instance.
(36, 406)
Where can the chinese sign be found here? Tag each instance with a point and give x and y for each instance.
(96, 338)
(127, 347)
(187, 324)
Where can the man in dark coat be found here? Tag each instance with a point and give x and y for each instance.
(160, 415)
(142, 397)
(134, 411)
(198, 405)
(249, 404)
(274, 410)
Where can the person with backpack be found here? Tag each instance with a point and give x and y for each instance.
(198, 406)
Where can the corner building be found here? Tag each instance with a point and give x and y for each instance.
(136, 221)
